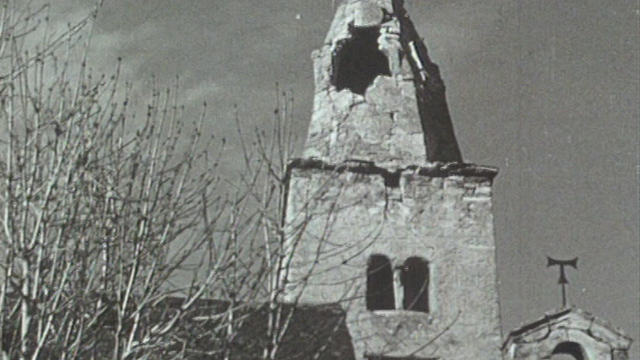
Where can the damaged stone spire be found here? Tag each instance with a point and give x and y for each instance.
(382, 217)
(379, 97)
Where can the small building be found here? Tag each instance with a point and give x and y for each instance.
(569, 333)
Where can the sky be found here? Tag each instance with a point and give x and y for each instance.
(547, 91)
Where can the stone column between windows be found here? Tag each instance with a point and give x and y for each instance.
(397, 287)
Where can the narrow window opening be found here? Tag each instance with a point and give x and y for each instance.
(380, 283)
(568, 351)
(357, 61)
(415, 281)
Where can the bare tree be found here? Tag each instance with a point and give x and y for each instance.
(117, 230)
(119, 239)
(103, 213)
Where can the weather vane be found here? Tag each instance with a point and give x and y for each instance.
(563, 278)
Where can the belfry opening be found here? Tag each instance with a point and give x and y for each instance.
(380, 294)
(415, 280)
(357, 61)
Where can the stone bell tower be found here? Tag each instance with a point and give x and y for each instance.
(382, 215)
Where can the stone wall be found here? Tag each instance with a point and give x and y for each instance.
(395, 111)
(338, 219)
(570, 332)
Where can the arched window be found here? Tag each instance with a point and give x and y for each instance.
(380, 283)
(568, 350)
(415, 281)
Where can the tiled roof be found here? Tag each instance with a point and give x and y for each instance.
(313, 332)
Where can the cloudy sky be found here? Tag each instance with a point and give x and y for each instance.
(545, 90)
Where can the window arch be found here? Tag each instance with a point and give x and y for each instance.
(415, 281)
(380, 283)
(568, 350)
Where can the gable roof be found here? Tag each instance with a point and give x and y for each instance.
(557, 316)
(313, 332)
(204, 332)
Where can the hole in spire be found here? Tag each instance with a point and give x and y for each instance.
(357, 61)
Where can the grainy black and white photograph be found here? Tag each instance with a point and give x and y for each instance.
(319, 179)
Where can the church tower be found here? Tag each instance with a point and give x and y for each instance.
(382, 215)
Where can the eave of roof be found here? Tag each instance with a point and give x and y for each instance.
(557, 314)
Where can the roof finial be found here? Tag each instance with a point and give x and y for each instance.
(563, 279)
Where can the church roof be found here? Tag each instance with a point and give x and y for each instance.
(579, 319)
(314, 332)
